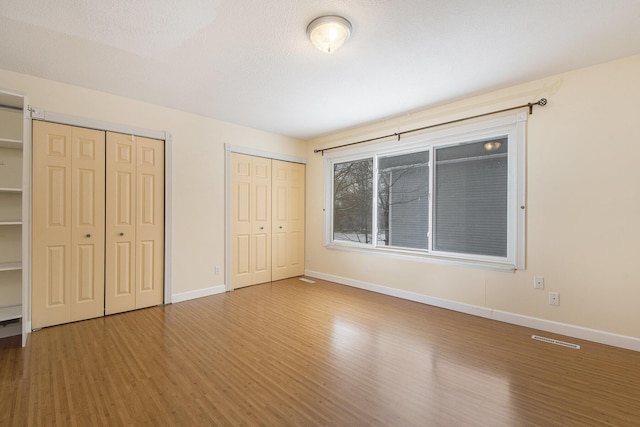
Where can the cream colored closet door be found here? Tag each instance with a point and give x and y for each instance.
(68, 224)
(120, 237)
(134, 223)
(149, 222)
(250, 220)
(288, 219)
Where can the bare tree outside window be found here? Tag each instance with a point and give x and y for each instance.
(352, 201)
(403, 200)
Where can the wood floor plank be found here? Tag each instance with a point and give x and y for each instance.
(294, 353)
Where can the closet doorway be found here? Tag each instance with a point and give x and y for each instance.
(266, 219)
(98, 223)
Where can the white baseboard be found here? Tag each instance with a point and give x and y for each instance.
(602, 337)
(186, 296)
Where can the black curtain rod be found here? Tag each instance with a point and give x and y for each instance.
(541, 102)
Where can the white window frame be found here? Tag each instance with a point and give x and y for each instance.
(512, 126)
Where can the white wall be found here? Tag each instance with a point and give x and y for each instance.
(198, 166)
(583, 206)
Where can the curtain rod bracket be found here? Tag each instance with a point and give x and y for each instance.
(541, 102)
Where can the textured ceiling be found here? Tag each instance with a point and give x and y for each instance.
(143, 27)
(249, 61)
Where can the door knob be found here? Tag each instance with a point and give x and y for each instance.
(280, 227)
(121, 234)
(261, 228)
(88, 235)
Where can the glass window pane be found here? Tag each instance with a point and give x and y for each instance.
(470, 211)
(403, 200)
(352, 199)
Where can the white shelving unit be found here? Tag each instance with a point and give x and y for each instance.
(10, 313)
(10, 266)
(15, 174)
(11, 143)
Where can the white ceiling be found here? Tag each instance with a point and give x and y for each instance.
(249, 61)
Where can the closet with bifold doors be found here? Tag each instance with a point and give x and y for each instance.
(267, 219)
(98, 223)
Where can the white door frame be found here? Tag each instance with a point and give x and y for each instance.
(227, 179)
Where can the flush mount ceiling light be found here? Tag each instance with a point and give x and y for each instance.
(328, 33)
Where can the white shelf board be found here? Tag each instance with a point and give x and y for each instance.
(9, 266)
(10, 313)
(10, 99)
(10, 222)
(10, 190)
(11, 143)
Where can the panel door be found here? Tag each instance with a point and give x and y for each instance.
(87, 215)
(51, 222)
(240, 220)
(149, 222)
(261, 220)
(68, 224)
(250, 220)
(120, 238)
(288, 185)
(134, 223)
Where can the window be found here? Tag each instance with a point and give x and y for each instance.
(352, 199)
(403, 200)
(455, 195)
(471, 198)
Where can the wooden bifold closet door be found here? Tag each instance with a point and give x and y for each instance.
(287, 188)
(98, 223)
(134, 223)
(266, 219)
(250, 220)
(68, 224)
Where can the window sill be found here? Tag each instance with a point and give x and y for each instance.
(422, 256)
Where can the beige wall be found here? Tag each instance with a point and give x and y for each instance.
(198, 165)
(583, 206)
(11, 122)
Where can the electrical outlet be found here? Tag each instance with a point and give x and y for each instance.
(217, 269)
(554, 298)
(538, 282)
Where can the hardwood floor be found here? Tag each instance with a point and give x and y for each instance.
(294, 353)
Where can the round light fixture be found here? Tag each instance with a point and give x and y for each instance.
(328, 33)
